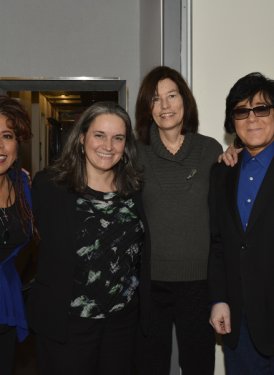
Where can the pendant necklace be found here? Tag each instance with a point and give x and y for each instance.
(4, 221)
(5, 216)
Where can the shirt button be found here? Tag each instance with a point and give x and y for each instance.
(251, 178)
(248, 200)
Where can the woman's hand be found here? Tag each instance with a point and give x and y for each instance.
(230, 156)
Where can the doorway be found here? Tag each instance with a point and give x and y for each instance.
(54, 104)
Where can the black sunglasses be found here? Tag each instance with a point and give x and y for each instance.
(259, 111)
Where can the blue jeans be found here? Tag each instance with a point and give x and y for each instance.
(245, 358)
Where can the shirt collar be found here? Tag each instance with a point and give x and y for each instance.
(264, 157)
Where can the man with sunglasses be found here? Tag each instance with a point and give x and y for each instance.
(241, 261)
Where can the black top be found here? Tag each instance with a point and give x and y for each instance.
(107, 257)
(50, 297)
(11, 231)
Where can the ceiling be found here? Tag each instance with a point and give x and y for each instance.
(73, 99)
(69, 104)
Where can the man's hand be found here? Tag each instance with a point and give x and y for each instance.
(220, 318)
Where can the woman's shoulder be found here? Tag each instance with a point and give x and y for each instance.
(22, 177)
(142, 147)
(208, 144)
(44, 176)
(143, 152)
(207, 140)
(44, 181)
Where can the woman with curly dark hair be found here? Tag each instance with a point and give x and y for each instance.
(15, 226)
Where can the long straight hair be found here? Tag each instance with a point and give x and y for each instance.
(144, 103)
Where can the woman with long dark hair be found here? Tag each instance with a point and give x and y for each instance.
(177, 162)
(93, 269)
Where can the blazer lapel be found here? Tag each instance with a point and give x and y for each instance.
(232, 189)
(264, 194)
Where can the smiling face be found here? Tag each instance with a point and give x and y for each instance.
(104, 143)
(8, 146)
(256, 133)
(168, 106)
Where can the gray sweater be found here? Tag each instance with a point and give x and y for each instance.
(176, 204)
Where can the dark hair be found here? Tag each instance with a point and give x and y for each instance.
(70, 168)
(18, 120)
(143, 111)
(246, 88)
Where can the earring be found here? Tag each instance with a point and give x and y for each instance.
(82, 149)
(125, 159)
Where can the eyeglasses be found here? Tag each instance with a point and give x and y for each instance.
(259, 111)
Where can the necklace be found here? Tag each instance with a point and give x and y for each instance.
(173, 148)
(5, 216)
(4, 221)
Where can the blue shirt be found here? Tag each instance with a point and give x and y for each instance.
(252, 173)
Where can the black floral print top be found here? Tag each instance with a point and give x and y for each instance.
(109, 241)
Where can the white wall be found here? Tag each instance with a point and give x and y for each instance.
(71, 38)
(151, 40)
(230, 39)
(160, 34)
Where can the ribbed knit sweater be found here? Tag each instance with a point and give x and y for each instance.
(175, 198)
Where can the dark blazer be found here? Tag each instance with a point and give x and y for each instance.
(48, 303)
(241, 264)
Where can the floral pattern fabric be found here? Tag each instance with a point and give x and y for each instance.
(109, 241)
